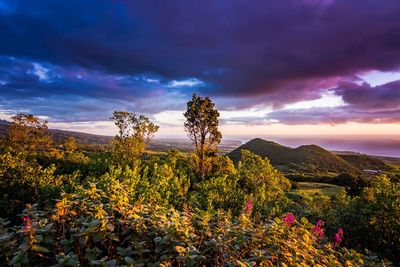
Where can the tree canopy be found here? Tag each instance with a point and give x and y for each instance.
(202, 128)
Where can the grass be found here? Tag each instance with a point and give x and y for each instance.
(317, 188)
(395, 169)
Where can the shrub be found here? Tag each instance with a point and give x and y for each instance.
(96, 227)
(264, 184)
(24, 181)
(372, 220)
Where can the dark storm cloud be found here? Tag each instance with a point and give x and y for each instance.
(365, 97)
(258, 52)
(75, 94)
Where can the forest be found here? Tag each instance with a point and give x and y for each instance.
(63, 203)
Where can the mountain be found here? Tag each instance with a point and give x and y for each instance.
(306, 158)
(81, 138)
(163, 144)
(60, 135)
(4, 125)
(4, 122)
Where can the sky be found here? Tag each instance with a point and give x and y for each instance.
(277, 67)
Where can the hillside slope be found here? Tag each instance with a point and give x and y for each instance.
(306, 158)
(60, 135)
(160, 144)
(363, 162)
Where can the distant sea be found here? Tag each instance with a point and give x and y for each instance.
(372, 145)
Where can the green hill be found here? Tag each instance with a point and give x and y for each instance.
(307, 159)
(363, 162)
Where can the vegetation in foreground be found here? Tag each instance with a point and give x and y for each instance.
(126, 207)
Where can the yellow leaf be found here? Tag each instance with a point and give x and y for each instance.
(180, 249)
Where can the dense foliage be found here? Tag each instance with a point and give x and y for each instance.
(157, 211)
(101, 227)
(64, 206)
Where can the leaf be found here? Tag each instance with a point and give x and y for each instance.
(111, 263)
(98, 237)
(40, 249)
(97, 262)
(129, 260)
(180, 249)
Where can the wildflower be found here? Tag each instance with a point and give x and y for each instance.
(319, 224)
(27, 224)
(249, 206)
(27, 227)
(338, 237)
(289, 219)
(340, 231)
(318, 229)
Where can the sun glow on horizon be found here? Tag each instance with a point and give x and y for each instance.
(362, 129)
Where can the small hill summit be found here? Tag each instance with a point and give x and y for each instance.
(309, 158)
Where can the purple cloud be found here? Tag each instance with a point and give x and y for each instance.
(333, 116)
(264, 53)
(365, 97)
(364, 104)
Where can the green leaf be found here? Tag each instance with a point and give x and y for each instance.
(129, 260)
(39, 249)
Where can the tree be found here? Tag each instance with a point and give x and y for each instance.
(70, 145)
(134, 134)
(28, 133)
(202, 127)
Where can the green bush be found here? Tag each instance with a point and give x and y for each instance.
(264, 185)
(101, 228)
(25, 181)
(372, 220)
(155, 211)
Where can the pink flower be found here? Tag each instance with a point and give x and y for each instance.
(319, 224)
(27, 224)
(289, 219)
(338, 237)
(340, 231)
(318, 229)
(26, 229)
(249, 206)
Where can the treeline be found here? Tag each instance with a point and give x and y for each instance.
(60, 206)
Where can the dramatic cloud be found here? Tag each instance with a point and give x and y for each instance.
(363, 104)
(367, 98)
(79, 60)
(75, 94)
(333, 116)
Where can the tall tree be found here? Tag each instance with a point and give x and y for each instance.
(202, 127)
(134, 133)
(29, 133)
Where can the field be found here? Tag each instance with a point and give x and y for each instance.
(318, 188)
